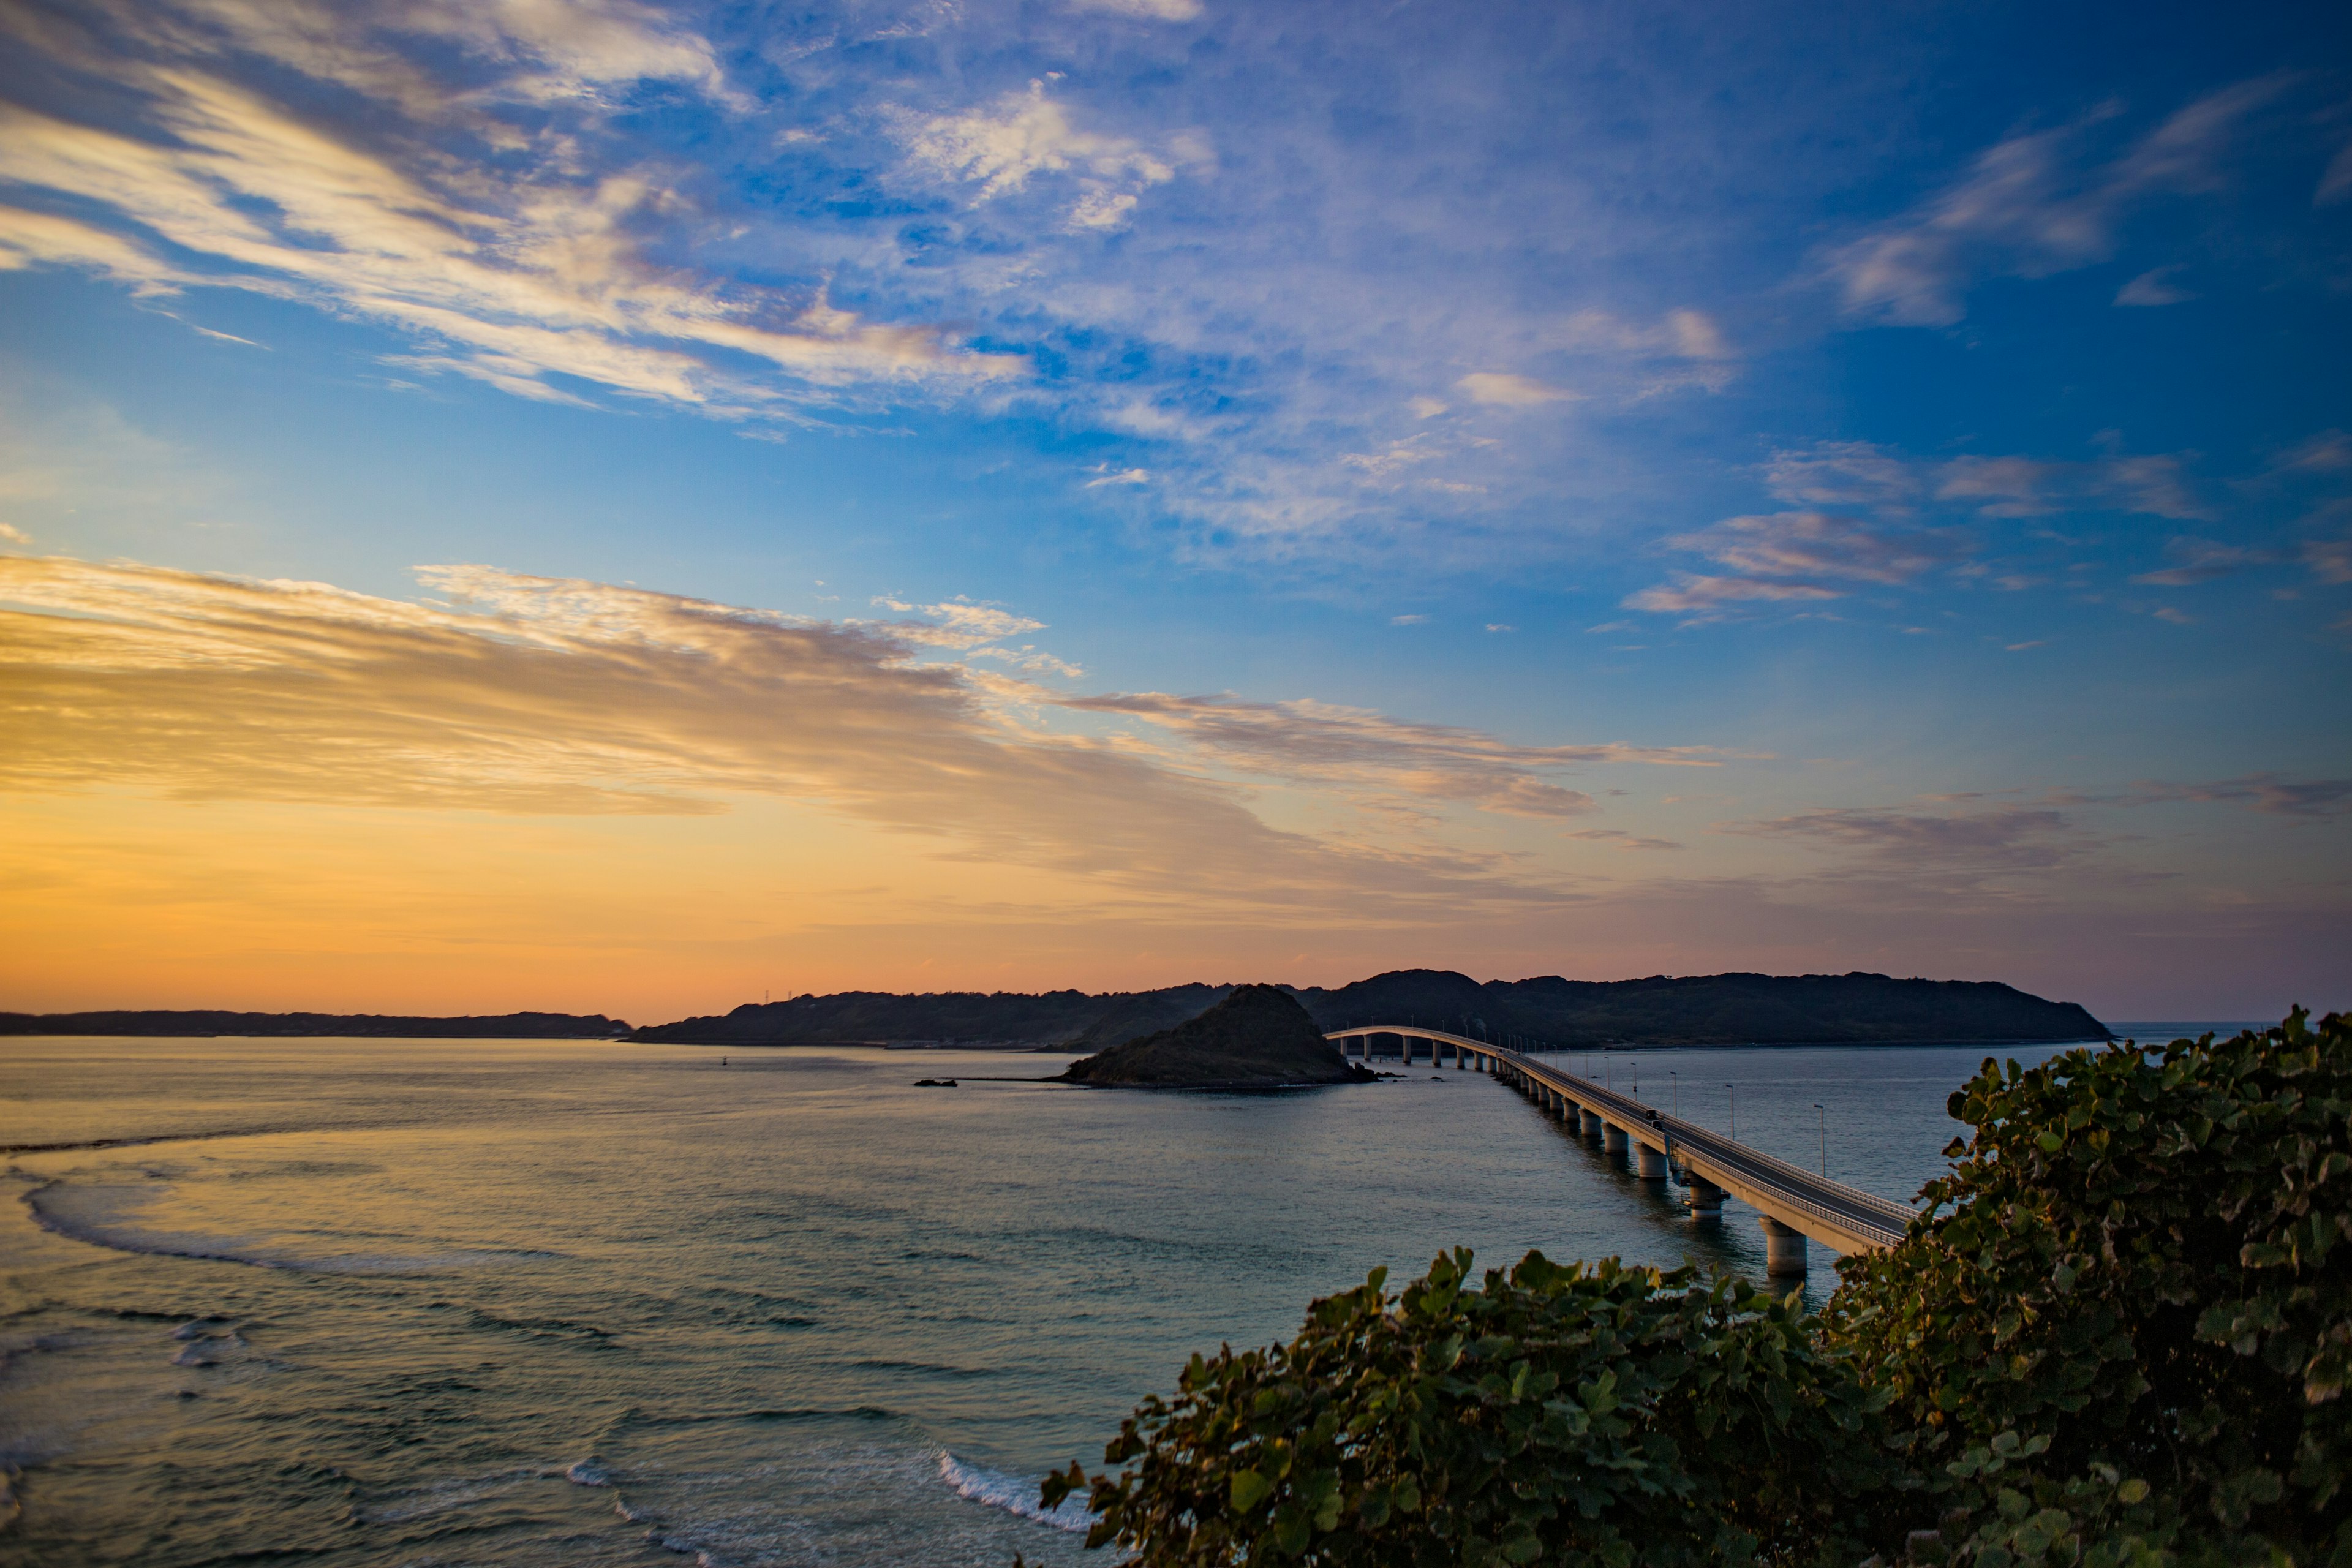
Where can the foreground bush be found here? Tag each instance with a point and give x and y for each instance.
(2144, 1281)
(2118, 1338)
(1562, 1415)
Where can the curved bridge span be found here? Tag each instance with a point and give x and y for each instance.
(1795, 1203)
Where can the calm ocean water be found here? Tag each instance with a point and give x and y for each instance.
(379, 1302)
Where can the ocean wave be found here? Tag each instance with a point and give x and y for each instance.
(881, 1363)
(588, 1473)
(539, 1328)
(93, 1214)
(82, 1144)
(1011, 1493)
(640, 1419)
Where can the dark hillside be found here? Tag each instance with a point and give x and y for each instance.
(1713, 1009)
(855, 1016)
(1257, 1037)
(1149, 1012)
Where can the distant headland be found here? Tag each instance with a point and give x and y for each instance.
(1548, 1012)
(199, 1021)
(1690, 1010)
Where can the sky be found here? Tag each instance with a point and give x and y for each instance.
(604, 507)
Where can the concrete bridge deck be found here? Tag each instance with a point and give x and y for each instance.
(1796, 1204)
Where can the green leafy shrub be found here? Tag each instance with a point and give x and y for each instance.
(2134, 1314)
(2118, 1338)
(1576, 1414)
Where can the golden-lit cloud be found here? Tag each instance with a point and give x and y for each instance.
(1358, 749)
(542, 697)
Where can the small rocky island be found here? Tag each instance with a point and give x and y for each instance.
(1257, 1037)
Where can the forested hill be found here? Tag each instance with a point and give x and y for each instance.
(1706, 1009)
(503, 1027)
(1716, 1009)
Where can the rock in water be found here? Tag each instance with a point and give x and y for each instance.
(1257, 1037)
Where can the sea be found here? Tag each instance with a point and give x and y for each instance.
(356, 1302)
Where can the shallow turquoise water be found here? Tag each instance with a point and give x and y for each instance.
(573, 1303)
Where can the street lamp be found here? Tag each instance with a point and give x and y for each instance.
(1735, 1110)
(1825, 1139)
(1677, 1087)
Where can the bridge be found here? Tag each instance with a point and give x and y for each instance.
(1795, 1204)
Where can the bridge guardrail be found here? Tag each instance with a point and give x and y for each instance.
(1796, 1175)
(1880, 1219)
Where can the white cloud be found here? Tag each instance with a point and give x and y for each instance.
(2200, 561)
(1426, 407)
(2028, 208)
(1122, 477)
(1407, 620)
(2025, 487)
(958, 623)
(513, 284)
(1817, 544)
(2330, 560)
(1709, 598)
(2150, 288)
(1842, 473)
(2335, 183)
(1025, 134)
(1499, 390)
(1855, 473)
(1678, 334)
(1358, 749)
(1150, 10)
(15, 535)
(1783, 557)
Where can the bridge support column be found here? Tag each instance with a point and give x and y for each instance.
(1649, 1164)
(1784, 1249)
(1613, 1138)
(1588, 1122)
(1705, 1199)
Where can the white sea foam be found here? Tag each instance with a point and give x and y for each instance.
(588, 1473)
(1011, 1493)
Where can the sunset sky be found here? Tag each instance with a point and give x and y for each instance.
(601, 507)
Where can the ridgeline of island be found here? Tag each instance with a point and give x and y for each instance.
(1691, 1010)
(1257, 1037)
(1549, 1012)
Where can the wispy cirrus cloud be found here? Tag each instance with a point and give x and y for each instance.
(1326, 744)
(538, 278)
(1779, 557)
(2033, 206)
(1502, 389)
(2270, 794)
(2198, 561)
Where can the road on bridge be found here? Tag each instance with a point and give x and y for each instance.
(1795, 1203)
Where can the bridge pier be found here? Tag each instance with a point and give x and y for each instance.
(1588, 1122)
(1784, 1249)
(1649, 1164)
(1705, 1199)
(1613, 1138)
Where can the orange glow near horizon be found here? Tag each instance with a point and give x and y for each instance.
(572, 798)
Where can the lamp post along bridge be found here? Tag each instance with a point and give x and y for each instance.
(1795, 1204)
